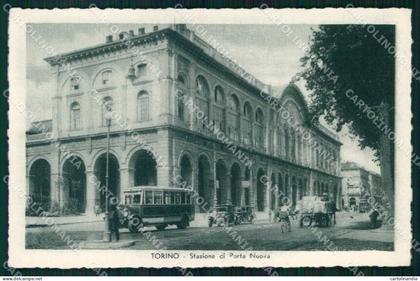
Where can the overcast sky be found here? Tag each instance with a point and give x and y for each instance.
(265, 51)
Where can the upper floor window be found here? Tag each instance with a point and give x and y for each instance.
(202, 87)
(106, 77)
(143, 106)
(107, 107)
(75, 116)
(180, 105)
(248, 111)
(234, 103)
(219, 96)
(141, 70)
(247, 128)
(181, 80)
(75, 83)
(259, 130)
(203, 92)
(259, 116)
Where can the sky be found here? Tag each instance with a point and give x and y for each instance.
(266, 51)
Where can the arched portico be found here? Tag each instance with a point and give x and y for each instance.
(235, 184)
(222, 182)
(40, 183)
(186, 170)
(113, 180)
(142, 169)
(73, 193)
(205, 190)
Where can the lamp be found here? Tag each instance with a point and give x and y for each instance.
(107, 233)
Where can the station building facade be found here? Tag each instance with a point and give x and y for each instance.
(179, 109)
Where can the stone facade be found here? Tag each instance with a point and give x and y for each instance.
(178, 109)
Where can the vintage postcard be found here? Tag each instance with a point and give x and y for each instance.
(209, 138)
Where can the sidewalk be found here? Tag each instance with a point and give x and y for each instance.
(46, 221)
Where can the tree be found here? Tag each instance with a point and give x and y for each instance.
(351, 77)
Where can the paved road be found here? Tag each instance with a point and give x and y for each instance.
(349, 234)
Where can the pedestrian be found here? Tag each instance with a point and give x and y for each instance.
(333, 209)
(284, 215)
(114, 223)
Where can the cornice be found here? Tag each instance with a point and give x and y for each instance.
(107, 48)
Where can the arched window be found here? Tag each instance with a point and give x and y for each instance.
(259, 116)
(203, 93)
(181, 98)
(247, 130)
(259, 128)
(219, 109)
(234, 103)
(279, 141)
(181, 79)
(143, 106)
(75, 118)
(287, 143)
(106, 77)
(248, 111)
(180, 105)
(107, 106)
(219, 96)
(202, 87)
(233, 118)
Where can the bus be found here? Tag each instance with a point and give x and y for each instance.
(157, 206)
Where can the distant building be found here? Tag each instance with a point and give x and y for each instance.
(357, 183)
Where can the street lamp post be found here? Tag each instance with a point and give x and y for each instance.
(107, 233)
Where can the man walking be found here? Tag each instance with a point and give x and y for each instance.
(114, 223)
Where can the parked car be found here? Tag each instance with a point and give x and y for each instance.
(244, 214)
(313, 209)
(222, 215)
(157, 206)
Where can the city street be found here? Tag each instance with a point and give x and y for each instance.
(350, 233)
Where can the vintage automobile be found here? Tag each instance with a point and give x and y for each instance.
(313, 209)
(222, 215)
(244, 214)
(157, 206)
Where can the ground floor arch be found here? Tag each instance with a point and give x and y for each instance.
(246, 189)
(205, 188)
(100, 167)
(143, 169)
(222, 182)
(40, 183)
(294, 191)
(73, 192)
(186, 170)
(235, 184)
(301, 189)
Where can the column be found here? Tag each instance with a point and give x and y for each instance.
(124, 182)
(311, 184)
(268, 193)
(55, 190)
(252, 193)
(228, 188)
(176, 172)
(242, 201)
(92, 185)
